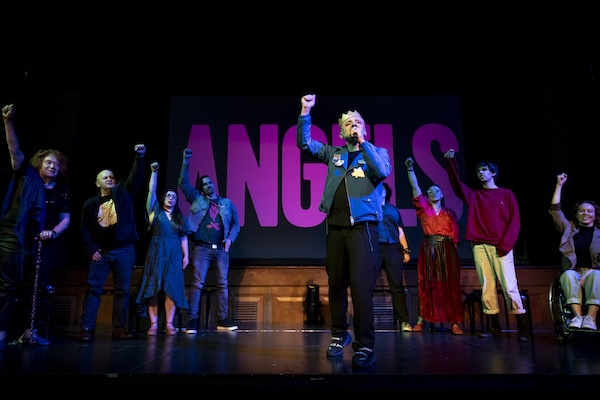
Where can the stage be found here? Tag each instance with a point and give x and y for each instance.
(291, 360)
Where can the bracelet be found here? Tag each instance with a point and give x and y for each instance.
(54, 234)
(406, 251)
(409, 169)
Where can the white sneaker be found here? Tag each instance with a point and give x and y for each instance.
(225, 325)
(588, 323)
(405, 327)
(576, 322)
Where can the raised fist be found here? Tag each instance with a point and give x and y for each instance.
(154, 166)
(8, 111)
(561, 178)
(308, 100)
(140, 148)
(449, 154)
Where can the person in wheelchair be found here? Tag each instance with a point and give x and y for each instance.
(580, 248)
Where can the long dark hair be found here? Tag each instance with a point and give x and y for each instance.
(177, 216)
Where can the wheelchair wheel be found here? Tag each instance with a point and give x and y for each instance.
(563, 334)
(560, 311)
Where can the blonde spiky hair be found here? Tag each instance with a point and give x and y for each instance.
(349, 114)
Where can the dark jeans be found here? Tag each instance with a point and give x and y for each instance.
(202, 259)
(121, 261)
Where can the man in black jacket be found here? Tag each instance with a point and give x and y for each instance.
(109, 231)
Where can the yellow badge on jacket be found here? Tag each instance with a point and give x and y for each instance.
(358, 173)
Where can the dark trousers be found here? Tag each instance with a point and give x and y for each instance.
(391, 260)
(202, 259)
(351, 262)
(121, 261)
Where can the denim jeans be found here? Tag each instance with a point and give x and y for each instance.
(202, 259)
(121, 261)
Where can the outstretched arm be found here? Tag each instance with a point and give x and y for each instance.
(558, 217)
(16, 155)
(304, 140)
(136, 175)
(560, 181)
(461, 190)
(151, 198)
(307, 102)
(189, 191)
(412, 178)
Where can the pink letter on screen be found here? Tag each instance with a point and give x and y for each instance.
(261, 177)
(294, 173)
(384, 137)
(422, 140)
(202, 161)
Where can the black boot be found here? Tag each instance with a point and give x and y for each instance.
(523, 331)
(494, 330)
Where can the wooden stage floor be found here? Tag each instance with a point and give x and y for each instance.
(291, 360)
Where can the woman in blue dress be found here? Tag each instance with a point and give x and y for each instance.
(167, 256)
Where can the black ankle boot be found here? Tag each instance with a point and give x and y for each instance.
(494, 329)
(523, 331)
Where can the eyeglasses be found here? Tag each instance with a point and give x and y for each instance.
(170, 196)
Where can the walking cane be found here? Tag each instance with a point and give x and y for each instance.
(38, 261)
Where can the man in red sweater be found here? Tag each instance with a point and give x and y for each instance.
(493, 224)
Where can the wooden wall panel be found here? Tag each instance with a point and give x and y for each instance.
(277, 294)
